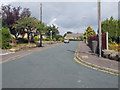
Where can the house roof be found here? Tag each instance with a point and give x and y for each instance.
(73, 35)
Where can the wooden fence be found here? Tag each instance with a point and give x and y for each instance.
(95, 38)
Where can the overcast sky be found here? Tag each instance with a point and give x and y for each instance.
(71, 16)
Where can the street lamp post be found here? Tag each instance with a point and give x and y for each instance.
(99, 26)
(51, 35)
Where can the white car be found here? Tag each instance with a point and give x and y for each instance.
(66, 41)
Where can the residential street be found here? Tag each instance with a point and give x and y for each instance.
(54, 68)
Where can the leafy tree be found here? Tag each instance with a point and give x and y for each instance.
(5, 38)
(69, 32)
(89, 31)
(9, 17)
(26, 25)
(54, 30)
(41, 28)
(111, 26)
(64, 34)
(59, 37)
(26, 12)
(11, 14)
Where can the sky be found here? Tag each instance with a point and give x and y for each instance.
(71, 16)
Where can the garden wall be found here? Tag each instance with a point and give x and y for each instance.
(95, 37)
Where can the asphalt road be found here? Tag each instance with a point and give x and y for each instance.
(54, 68)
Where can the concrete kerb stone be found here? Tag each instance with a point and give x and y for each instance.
(93, 66)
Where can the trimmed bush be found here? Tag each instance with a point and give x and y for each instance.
(36, 38)
(114, 46)
(74, 39)
(5, 38)
(60, 39)
(54, 39)
(47, 39)
(22, 40)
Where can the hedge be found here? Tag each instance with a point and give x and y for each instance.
(5, 38)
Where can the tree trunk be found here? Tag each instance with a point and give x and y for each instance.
(28, 38)
(40, 41)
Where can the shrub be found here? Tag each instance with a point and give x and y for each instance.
(5, 38)
(60, 39)
(114, 46)
(74, 39)
(47, 39)
(12, 37)
(36, 38)
(53, 39)
(22, 40)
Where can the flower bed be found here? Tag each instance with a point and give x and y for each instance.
(114, 46)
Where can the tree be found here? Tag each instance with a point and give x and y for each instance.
(69, 32)
(40, 30)
(89, 31)
(54, 30)
(5, 38)
(26, 25)
(111, 26)
(64, 34)
(59, 37)
(10, 15)
(25, 13)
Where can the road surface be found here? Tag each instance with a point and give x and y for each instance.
(54, 68)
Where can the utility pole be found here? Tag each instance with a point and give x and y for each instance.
(41, 12)
(40, 23)
(99, 26)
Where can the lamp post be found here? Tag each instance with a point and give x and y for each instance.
(51, 35)
(99, 26)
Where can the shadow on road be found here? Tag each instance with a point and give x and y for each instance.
(71, 51)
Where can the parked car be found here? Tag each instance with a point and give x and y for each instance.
(66, 41)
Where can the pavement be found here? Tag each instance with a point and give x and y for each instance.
(54, 68)
(85, 55)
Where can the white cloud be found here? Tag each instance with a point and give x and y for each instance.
(52, 21)
(75, 16)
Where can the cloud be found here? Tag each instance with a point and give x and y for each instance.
(52, 21)
(74, 16)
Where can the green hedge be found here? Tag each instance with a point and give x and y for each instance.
(22, 40)
(74, 39)
(5, 38)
